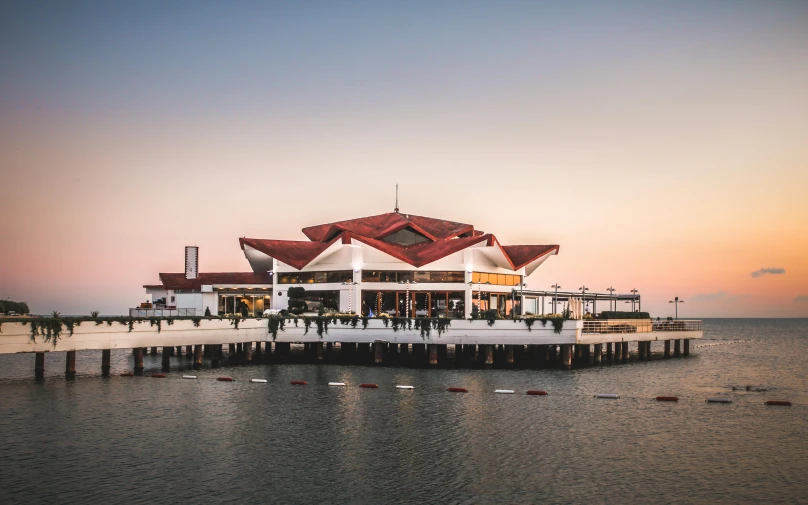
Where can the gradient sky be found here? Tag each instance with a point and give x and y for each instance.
(663, 145)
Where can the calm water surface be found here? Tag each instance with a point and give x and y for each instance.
(144, 440)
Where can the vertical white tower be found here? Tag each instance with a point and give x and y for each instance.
(191, 262)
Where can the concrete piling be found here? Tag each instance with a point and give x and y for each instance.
(624, 350)
(667, 351)
(609, 354)
(677, 347)
(166, 364)
(39, 366)
(197, 356)
(686, 350)
(105, 362)
(138, 354)
(598, 357)
(70, 364)
(509, 354)
(433, 354)
(488, 351)
(566, 355)
(153, 351)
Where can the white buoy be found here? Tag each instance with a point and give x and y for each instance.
(405, 387)
(336, 383)
(504, 391)
(189, 376)
(719, 400)
(262, 381)
(607, 395)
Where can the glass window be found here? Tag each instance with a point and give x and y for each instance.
(475, 277)
(500, 279)
(370, 276)
(320, 277)
(455, 277)
(388, 277)
(420, 276)
(306, 277)
(438, 276)
(405, 276)
(484, 278)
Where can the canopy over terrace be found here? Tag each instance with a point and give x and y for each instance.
(535, 302)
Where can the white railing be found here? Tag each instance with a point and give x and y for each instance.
(165, 312)
(638, 326)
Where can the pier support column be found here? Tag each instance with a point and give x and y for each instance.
(677, 348)
(70, 364)
(598, 354)
(509, 354)
(247, 346)
(667, 348)
(39, 366)
(433, 354)
(231, 353)
(319, 350)
(641, 350)
(153, 351)
(579, 351)
(686, 350)
(624, 350)
(329, 350)
(489, 354)
(216, 355)
(189, 350)
(197, 356)
(545, 353)
(403, 352)
(166, 364)
(378, 353)
(138, 354)
(474, 354)
(609, 354)
(105, 362)
(566, 355)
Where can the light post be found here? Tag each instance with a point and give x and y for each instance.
(676, 301)
(611, 294)
(633, 298)
(350, 294)
(555, 297)
(583, 289)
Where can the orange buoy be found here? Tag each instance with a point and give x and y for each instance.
(225, 379)
(782, 403)
(667, 398)
(159, 375)
(537, 392)
(299, 383)
(368, 385)
(458, 390)
(127, 374)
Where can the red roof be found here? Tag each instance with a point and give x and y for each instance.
(445, 238)
(384, 224)
(178, 281)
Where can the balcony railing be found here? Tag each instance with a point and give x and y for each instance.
(639, 326)
(165, 312)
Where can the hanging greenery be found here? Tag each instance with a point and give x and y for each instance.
(274, 323)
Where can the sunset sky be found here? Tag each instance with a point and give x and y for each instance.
(663, 145)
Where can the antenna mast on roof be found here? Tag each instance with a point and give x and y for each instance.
(396, 198)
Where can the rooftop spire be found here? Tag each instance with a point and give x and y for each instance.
(396, 209)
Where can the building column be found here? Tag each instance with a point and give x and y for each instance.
(39, 366)
(677, 347)
(667, 348)
(105, 362)
(598, 354)
(686, 350)
(433, 354)
(566, 355)
(138, 354)
(70, 364)
(489, 354)
(197, 356)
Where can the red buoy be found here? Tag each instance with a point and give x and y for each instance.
(667, 398)
(299, 383)
(225, 379)
(537, 392)
(127, 374)
(159, 375)
(368, 385)
(458, 390)
(782, 403)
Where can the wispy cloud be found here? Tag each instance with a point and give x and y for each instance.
(801, 298)
(764, 271)
(708, 297)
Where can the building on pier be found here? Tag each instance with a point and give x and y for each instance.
(394, 263)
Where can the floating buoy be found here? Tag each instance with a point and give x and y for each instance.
(607, 395)
(336, 383)
(782, 403)
(405, 387)
(719, 400)
(667, 398)
(159, 375)
(457, 390)
(189, 376)
(537, 392)
(504, 391)
(262, 381)
(299, 383)
(225, 379)
(368, 386)
(127, 374)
